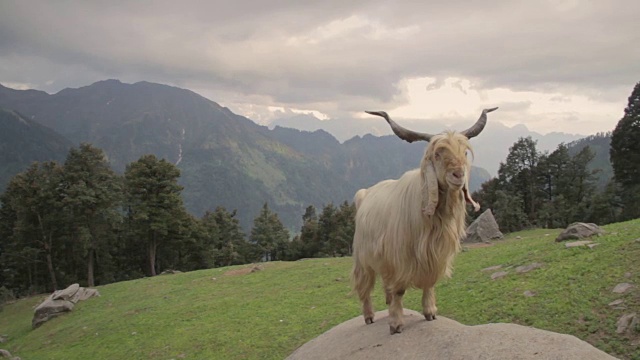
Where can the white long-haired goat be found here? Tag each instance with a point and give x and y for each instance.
(409, 230)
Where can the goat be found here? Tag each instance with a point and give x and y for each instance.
(408, 230)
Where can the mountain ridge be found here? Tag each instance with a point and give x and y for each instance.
(225, 159)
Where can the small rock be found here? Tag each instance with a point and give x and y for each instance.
(134, 333)
(529, 293)
(256, 268)
(338, 279)
(627, 275)
(579, 230)
(547, 234)
(616, 302)
(498, 275)
(625, 321)
(3, 338)
(5, 354)
(492, 268)
(526, 268)
(577, 243)
(518, 237)
(170, 272)
(591, 246)
(622, 288)
(214, 279)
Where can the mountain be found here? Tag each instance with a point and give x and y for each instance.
(600, 145)
(225, 159)
(23, 141)
(490, 148)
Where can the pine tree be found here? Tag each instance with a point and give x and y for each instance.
(93, 195)
(625, 155)
(269, 234)
(517, 175)
(154, 204)
(625, 143)
(32, 224)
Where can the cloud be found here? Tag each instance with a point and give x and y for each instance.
(334, 57)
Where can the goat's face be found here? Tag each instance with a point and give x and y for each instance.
(448, 153)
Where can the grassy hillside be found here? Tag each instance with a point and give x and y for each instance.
(228, 313)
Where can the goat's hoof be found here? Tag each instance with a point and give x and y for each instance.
(430, 317)
(395, 329)
(368, 320)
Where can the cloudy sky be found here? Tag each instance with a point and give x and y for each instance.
(565, 65)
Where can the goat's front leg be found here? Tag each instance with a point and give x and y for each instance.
(395, 312)
(429, 308)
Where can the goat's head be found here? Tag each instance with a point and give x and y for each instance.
(447, 151)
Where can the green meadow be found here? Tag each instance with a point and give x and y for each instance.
(231, 313)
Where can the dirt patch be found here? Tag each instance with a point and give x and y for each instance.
(244, 271)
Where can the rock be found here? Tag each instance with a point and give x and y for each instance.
(256, 268)
(518, 237)
(529, 293)
(3, 338)
(526, 268)
(577, 243)
(492, 268)
(622, 288)
(627, 275)
(498, 275)
(616, 302)
(5, 354)
(49, 309)
(60, 302)
(67, 293)
(483, 229)
(442, 339)
(624, 323)
(579, 230)
(84, 294)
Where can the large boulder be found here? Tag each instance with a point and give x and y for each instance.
(60, 302)
(442, 339)
(579, 230)
(483, 229)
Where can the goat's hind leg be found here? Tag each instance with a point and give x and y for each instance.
(363, 282)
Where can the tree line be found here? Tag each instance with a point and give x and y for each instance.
(81, 222)
(552, 190)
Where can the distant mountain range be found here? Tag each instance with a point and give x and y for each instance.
(490, 148)
(23, 141)
(225, 159)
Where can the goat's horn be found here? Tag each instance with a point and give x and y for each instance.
(479, 125)
(404, 134)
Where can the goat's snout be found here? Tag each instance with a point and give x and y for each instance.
(458, 174)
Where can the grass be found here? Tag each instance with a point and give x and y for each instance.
(267, 314)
